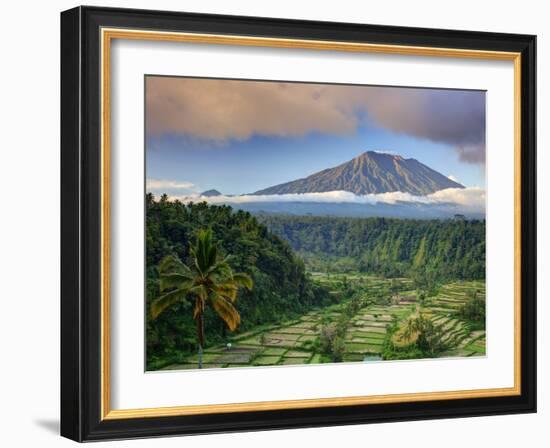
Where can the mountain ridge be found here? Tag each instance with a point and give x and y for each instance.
(211, 193)
(369, 173)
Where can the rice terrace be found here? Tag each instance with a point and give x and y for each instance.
(372, 323)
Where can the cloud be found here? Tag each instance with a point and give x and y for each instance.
(163, 184)
(225, 109)
(453, 178)
(473, 153)
(471, 199)
(230, 109)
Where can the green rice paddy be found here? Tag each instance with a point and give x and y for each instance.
(296, 342)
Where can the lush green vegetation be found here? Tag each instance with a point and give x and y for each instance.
(437, 326)
(373, 319)
(226, 289)
(433, 249)
(282, 289)
(332, 334)
(473, 310)
(207, 281)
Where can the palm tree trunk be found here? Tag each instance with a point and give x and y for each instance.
(200, 356)
(200, 336)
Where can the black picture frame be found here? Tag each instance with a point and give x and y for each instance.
(81, 224)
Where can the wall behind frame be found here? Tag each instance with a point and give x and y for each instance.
(29, 235)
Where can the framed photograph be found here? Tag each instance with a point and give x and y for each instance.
(276, 224)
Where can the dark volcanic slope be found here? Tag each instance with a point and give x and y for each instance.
(371, 172)
(212, 192)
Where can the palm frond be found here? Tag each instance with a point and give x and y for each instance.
(175, 280)
(172, 263)
(243, 279)
(199, 291)
(201, 250)
(193, 250)
(211, 255)
(227, 289)
(226, 311)
(196, 261)
(220, 268)
(166, 301)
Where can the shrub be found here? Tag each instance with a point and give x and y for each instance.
(474, 308)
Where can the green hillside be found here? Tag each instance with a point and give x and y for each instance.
(282, 289)
(441, 249)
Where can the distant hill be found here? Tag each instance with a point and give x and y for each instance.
(368, 173)
(210, 193)
(403, 210)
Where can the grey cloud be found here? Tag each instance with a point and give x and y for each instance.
(227, 109)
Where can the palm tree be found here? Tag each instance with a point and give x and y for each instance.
(427, 336)
(208, 281)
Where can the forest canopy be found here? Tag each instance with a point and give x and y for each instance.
(446, 249)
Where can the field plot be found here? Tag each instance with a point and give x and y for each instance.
(368, 322)
(444, 310)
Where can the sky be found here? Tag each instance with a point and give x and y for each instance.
(242, 136)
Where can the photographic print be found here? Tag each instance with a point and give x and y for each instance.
(292, 223)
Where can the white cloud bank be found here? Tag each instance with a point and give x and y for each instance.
(471, 199)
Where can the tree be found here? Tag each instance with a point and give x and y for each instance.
(421, 295)
(209, 281)
(331, 341)
(426, 336)
(474, 308)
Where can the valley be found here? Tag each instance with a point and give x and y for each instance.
(368, 323)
